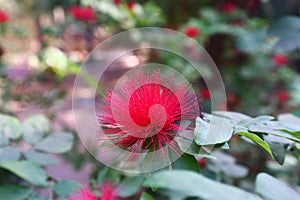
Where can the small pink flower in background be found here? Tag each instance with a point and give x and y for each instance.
(202, 162)
(131, 5)
(280, 59)
(205, 94)
(84, 194)
(108, 191)
(283, 96)
(83, 13)
(3, 17)
(151, 118)
(117, 2)
(229, 7)
(192, 31)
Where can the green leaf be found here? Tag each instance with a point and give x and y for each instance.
(272, 189)
(39, 158)
(28, 171)
(130, 186)
(14, 192)
(146, 196)
(279, 151)
(226, 164)
(196, 185)
(257, 140)
(287, 29)
(10, 127)
(109, 174)
(8, 154)
(3, 140)
(218, 130)
(234, 117)
(186, 162)
(35, 128)
(56, 143)
(66, 188)
(256, 120)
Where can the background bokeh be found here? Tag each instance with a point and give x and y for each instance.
(254, 43)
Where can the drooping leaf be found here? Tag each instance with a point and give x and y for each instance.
(35, 128)
(14, 192)
(196, 185)
(66, 188)
(272, 189)
(39, 158)
(56, 143)
(279, 151)
(28, 171)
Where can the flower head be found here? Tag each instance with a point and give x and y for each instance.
(84, 194)
(280, 59)
(145, 113)
(192, 31)
(83, 13)
(3, 17)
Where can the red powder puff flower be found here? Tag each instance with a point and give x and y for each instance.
(83, 13)
(205, 93)
(84, 194)
(229, 7)
(145, 113)
(280, 59)
(283, 96)
(108, 191)
(117, 2)
(192, 31)
(3, 17)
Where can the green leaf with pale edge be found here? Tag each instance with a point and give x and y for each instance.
(196, 185)
(28, 171)
(35, 128)
(130, 186)
(39, 158)
(10, 127)
(56, 143)
(146, 196)
(272, 189)
(257, 140)
(66, 188)
(14, 192)
(8, 154)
